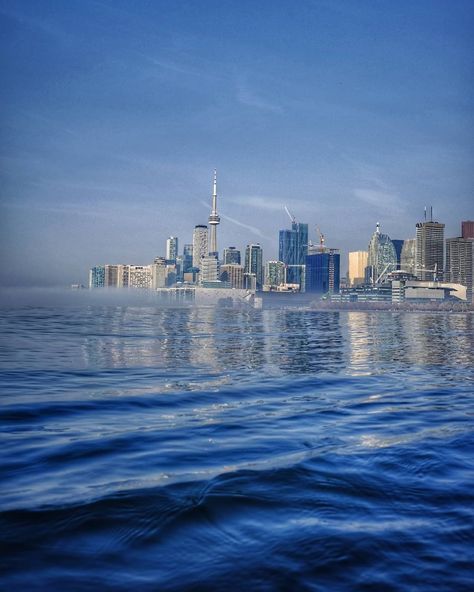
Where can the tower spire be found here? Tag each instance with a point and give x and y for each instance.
(214, 218)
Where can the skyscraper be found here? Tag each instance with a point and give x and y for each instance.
(381, 258)
(97, 276)
(214, 220)
(357, 265)
(323, 271)
(234, 274)
(171, 248)
(231, 255)
(429, 251)
(187, 257)
(292, 250)
(407, 259)
(398, 244)
(199, 244)
(253, 264)
(274, 273)
(460, 263)
(209, 269)
(467, 227)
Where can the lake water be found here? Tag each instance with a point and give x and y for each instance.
(219, 449)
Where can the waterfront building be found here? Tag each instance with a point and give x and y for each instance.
(275, 274)
(97, 276)
(200, 244)
(398, 244)
(187, 257)
(407, 258)
(233, 273)
(467, 229)
(323, 271)
(253, 263)
(159, 273)
(209, 269)
(214, 220)
(460, 263)
(357, 265)
(231, 255)
(172, 248)
(115, 276)
(140, 276)
(292, 250)
(429, 250)
(381, 258)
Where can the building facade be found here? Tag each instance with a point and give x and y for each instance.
(172, 248)
(292, 250)
(275, 273)
(407, 259)
(200, 244)
(381, 257)
(323, 271)
(460, 263)
(97, 276)
(357, 265)
(233, 273)
(209, 269)
(253, 264)
(429, 250)
(467, 229)
(231, 255)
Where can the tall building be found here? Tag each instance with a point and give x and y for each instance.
(467, 229)
(231, 255)
(140, 276)
(200, 244)
(357, 265)
(209, 269)
(97, 276)
(292, 250)
(275, 273)
(214, 220)
(234, 274)
(187, 258)
(159, 273)
(460, 263)
(407, 259)
(381, 258)
(398, 244)
(253, 264)
(323, 271)
(114, 276)
(429, 250)
(171, 248)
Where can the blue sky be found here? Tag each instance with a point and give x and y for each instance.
(115, 114)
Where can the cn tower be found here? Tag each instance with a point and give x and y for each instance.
(214, 220)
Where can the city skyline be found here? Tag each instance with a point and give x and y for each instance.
(348, 113)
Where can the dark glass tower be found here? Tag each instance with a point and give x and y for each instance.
(293, 248)
(323, 271)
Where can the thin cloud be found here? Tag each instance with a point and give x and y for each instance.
(247, 96)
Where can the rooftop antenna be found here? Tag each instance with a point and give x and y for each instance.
(431, 214)
(425, 213)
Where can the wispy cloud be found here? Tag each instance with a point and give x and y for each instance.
(253, 229)
(249, 97)
(258, 202)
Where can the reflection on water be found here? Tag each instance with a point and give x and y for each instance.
(239, 342)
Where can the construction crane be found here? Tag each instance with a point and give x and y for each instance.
(321, 238)
(292, 218)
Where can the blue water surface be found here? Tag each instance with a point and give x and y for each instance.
(148, 448)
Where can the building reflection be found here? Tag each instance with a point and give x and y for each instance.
(190, 341)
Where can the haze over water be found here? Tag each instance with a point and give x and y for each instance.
(203, 448)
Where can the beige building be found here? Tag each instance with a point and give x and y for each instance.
(357, 265)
